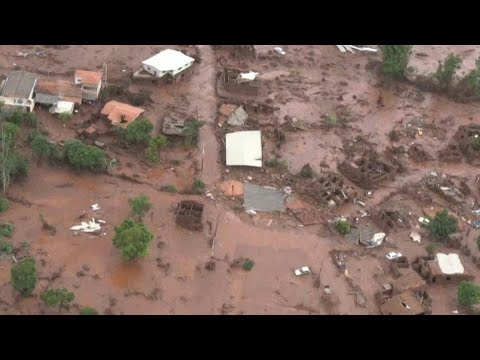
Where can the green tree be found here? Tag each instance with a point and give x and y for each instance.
(442, 225)
(154, 146)
(88, 311)
(132, 239)
(191, 131)
(248, 264)
(6, 247)
(471, 82)
(40, 146)
(12, 165)
(57, 298)
(137, 132)
(476, 144)
(198, 186)
(24, 276)
(395, 59)
(343, 227)
(431, 249)
(139, 206)
(446, 70)
(7, 230)
(468, 293)
(4, 204)
(82, 156)
(20, 118)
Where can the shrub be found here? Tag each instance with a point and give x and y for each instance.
(20, 118)
(132, 239)
(88, 311)
(30, 119)
(6, 248)
(478, 242)
(137, 132)
(64, 117)
(248, 264)
(169, 188)
(468, 293)
(82, 156)
(7, 230)
(343, 227)
(19, 167)
(277, 164)
(11, 130)
(331, 119)
(57, 298)
(470, 84)
(154, 146)
(198, 186)
(25, 245)
(307, 171)
(40, 146)
(447, 69)
(431, 249)
(139, 206)
(191, 131)
(442, 225)
(395, 59)
(24, 276)
(4, 204)
(476, 144)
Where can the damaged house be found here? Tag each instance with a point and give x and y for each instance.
(237, 81)
(61, 95)
(17, 91)
(442, 268)
(168, 64)
(405, 303)
(120, 114)
(90, 82)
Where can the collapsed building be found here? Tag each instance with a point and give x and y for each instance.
(441, 269)
(329, 189)
(238, 81)
(465, 138)
(407, 303)
(189, 215)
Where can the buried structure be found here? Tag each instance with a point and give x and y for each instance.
(442, 268)
(263, 198)
(237, 81)
(189, 215)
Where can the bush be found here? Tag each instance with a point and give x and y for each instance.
(82, 156)
(431, 249)
(442, 225)
(20, 118)
(4, 204)
(395, 59)
(476, 144)
(132, 239)
(11, 130)
(331, 119)
(277, 164)
(198, 186)
(154, 146)
(19, 167)
(478, 242)
(40, 146)
(139, 206)
(169, 188)
(7, 230)
(191, 131)
(248, 264)
(307, 171)
(6, 248)
(25, 245)
(64, 117)
(468, 293)
(137, 132)
(343, 227)
(57, 298)
(88, 311)
(447, 69)
(470, 84)
(24, 276)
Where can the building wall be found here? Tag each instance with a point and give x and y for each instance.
(28, 104)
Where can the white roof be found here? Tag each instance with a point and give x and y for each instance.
(450, 264)
(168, 60)
(64, 106)
(244, 148)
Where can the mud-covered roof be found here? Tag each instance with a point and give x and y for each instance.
(402, 304)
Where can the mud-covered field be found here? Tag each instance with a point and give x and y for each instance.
(299, 95)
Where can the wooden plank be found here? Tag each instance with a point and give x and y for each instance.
(341, 48)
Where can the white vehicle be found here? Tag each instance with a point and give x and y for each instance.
(393, 255)
(302, 271)
(280, 50)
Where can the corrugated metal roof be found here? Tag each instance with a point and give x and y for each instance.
(262, 198)
(19, 84)
(65, 90)
(244, 148)
(46, 99)
(450, 264)
(168, 60)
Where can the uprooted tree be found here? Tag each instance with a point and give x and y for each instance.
(132, 239)
(24, 276)
(395, 59)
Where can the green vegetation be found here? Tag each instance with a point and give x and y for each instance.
(331, 119)
(471, 82)
(191, 131)
(476, 144)
(431, 249)
(248, 264)
(154, 146)
(4, 204)
(395, 59)
(169, 188)
(307, 172)
(25, 245)
(442, 225)
(139, 206)
(11, 130)
(22, 118)
(6, 248)
(478, 242)
(446, 70)
(394, 135)
(343, 227)
(40, 146)
(137, 132)
(64, 117)
(468, 294)
(7, 230)
(24, 276)
(132, 239)
(88, 311)
(277, 164)
(82, 156)
(57, 298)
(198, 186)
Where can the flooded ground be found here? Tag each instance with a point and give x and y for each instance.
(306, 83)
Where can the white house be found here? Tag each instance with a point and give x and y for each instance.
(17, 90)
(171, 62)
(91, 82)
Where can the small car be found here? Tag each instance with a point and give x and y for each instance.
(393, 255)
(303, 271)
(280, 50)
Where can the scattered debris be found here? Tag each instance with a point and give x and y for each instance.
(90, 227)
(416, 237)
(280, 50)
(95, 207)
(189, 215)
